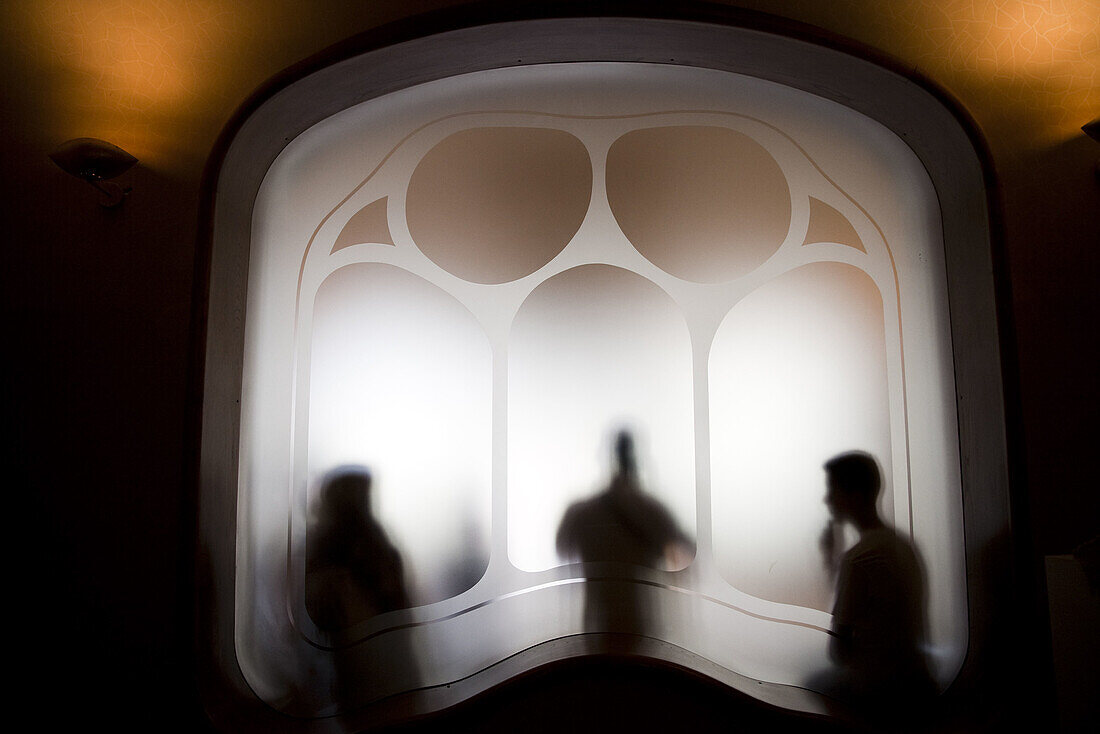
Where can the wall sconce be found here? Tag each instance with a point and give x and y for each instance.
(1092, 129)
(95, 161)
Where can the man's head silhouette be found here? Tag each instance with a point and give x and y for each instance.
(625, 463)
(853, 482)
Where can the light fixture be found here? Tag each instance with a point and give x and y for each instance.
(1092, 129)
(95, 161)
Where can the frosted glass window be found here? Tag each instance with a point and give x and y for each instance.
(797, 376)
(593, 350)
(378, 397)
(470, 286)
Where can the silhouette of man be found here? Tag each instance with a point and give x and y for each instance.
(878, 616)
(620, 526)
(353, 572)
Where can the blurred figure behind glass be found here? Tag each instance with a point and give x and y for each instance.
(620, 526)
(353, 573)
(879, 614)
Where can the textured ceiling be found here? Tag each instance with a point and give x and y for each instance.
(161, 77)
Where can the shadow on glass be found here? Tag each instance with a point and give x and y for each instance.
(621, 527)
(353, 573)
(880, 673)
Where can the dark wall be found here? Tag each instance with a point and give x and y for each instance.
(1052, 243)
(100, 305)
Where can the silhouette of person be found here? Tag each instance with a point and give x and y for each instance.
(878, 615)
(353, 572)
(622, 525)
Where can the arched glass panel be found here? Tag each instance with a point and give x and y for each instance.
(592, 351)
(797, 376)
(378, 398)
(566, 346)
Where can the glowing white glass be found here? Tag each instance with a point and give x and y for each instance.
(481, 372)
(401, 382)
(593, 350)
(797, 376)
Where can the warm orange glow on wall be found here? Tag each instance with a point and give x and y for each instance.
(140, 54)
(1045, 53)
(1028, 70)
(128, 70)
(160, 77)
(1025, 37)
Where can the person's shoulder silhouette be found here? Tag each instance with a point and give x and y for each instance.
(880, 603)
(621, 524)
(879, 613)
(353, 571)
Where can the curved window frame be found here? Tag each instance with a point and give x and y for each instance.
(940, 137)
